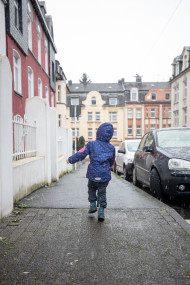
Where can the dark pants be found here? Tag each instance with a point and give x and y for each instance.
(100, 187)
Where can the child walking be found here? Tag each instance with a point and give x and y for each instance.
(102, 156)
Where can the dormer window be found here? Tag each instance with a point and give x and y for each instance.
(112, 101)
(177, 69)
(153, 96)
(185, 62)
(93, 101)
(18, 14)
(134, 94)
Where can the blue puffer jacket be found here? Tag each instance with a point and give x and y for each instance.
(101, 152)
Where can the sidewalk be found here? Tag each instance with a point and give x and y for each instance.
(55, 241)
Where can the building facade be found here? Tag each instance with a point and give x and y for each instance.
(132, 107)
(180, 89)
(61, 91)
(31, 52)
(147, 106)
(98, 103)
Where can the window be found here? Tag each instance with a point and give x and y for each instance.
(93, 101)
(176, 118)
(152, 127)
(29, 33)
(113, 116)
(130, 130)
(176, 94)
(146, 112)
(153, 96)
(30, 83)
(39, 31)
(112, 101)
(89, 116)
(73, 119)
(53, 72)
(134, 94)
(184, 89)
(46, 55)
(47, 93)
(39, 87)
(89, 132)
(59, 93)
(75, 101)
(185, 61)
(152, 113)
(52, 99)
(77, 132)
(169, 113)
(146, 128)
(114, 132)
(184, 116)
(59, 120)
(167, 96)
(138, 113)
(138, 130)
(18, 14)
(17, 71)
(97, 116)
(130, 113)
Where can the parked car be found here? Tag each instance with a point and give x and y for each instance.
(162, 162)
(113, 167)
(125, 156)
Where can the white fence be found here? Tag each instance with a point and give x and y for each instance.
(24, 138)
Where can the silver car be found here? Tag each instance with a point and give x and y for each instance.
(125, 156)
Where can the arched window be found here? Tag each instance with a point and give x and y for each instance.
(30, 82)
(39, 87)
(93, 100)
(17, 71)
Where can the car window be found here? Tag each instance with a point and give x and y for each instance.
(132, 145)
(173, 138)
(142, 143)
(149, 140)
(123, 146)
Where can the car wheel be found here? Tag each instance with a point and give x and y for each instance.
(155, 185)
(116, 171)
(135, 181)
(125, 173)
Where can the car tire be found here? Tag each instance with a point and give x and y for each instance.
(125, 173)
(116, 171)
(155, 185)
(136, 182)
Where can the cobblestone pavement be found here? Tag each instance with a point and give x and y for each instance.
(68, 246)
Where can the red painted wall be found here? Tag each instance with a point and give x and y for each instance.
(32, 61)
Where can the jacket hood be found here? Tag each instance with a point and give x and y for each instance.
(104, 132)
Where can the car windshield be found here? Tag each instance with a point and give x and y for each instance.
(173, 138)
(132, 146)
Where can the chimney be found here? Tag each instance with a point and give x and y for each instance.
(70, 82)
(138, 78)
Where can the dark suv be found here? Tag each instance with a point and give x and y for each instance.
(162, 162)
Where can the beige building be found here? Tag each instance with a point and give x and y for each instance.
(61, 90)
(97, 107)
(180, 89)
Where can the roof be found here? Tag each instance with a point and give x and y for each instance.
(99, 87)
(147, 85)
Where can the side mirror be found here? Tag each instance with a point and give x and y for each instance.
(147, 148)
(121, 151)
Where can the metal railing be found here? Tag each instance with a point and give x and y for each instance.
(24, 138)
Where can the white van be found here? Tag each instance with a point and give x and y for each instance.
(125, 156)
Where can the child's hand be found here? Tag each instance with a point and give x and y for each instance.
(67, 161)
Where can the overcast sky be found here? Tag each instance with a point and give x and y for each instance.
(113, 39)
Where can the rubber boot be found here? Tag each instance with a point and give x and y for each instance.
(93, 207)
(101, 216)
